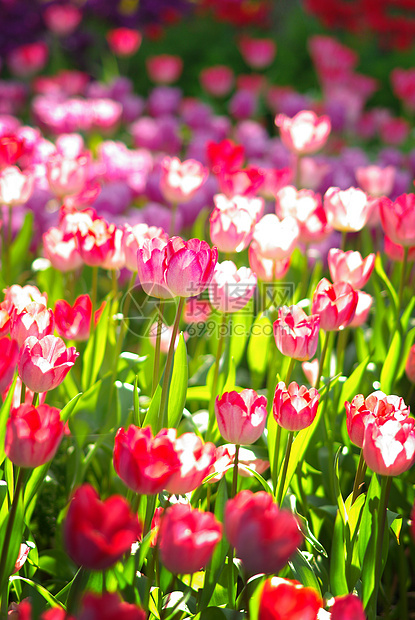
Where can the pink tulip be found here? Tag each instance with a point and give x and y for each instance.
(230, 288)
(389, 445)
(231, 223)
(33, 435)
(195, 459)
(350, 267)
(347, 210)
(264, 537)
(164, 69)
(364, 304)
(124, 42)
(241, 417)
(396, 252)
(225, 156)
(44, 363)
(187, 538)
(305, 133)
(25, 60)
(20, 296)
(295, 407)
(375, 180)
(74, 322)
(310, 370)
(360, 411)
(34, 320)
(398, 219)
(217, 81)
(257, 53)
(62, 20)
(266, 269)
(22, 557)
(67, 176)
(96, 242)
(276, 238)
(133, 239)
(296, 334)
(410, 364)
(16, 187)
(189, 266)
(115, 259)
(180, 180)
(307, 208)
(9, 353)
(143, 462)
(62, 250)
(151, 268)
(335, 303)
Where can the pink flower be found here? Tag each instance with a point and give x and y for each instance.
(335, 303)
(364, 304)
(276, 238)
(257, 53)
(398, 219)
(225, 156)
(295, 407)
(266, 269)
(16, 187)
(231, 224)
(74, 322)
(375, 180)
(180, 180)
(133, 239)
(25, 60)
(34, 320)
(306, 206)
(66, 175)
(62, 19)
(241, 417)
(363, 410)
(151, 268)
(310, 370)
(164, 69)
(44, 363)
(195, 459)
(264, 537)
(230, 288)
(410, 364)
(22, 557)
(305, 133)
(143, 462)
(9, 353)
(62, 250)
(350, 267)
(96, 242)
(124, 42)
(20, 296)
(187, 538)
(189, 266)
(389, 445)
(395, 252)
(33, 435)
(217, 81)
(347, 210)
(285, 598)
(348, 607)
(296, 334)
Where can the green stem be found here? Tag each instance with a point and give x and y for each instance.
(403, 279)
(23, 394)
(344, 240)
(386, 485)
(35, 401)
(341, 348)
(213, 395)
(359, 478)
(94, 292)
(289, 371)
(235, 472)
(10, 524)
(156, 370)
(163, 420)
(280, 496)
(322, 358)
(276, 460)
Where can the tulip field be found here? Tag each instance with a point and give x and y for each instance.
(207, 310)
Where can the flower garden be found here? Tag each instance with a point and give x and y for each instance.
(207, 326)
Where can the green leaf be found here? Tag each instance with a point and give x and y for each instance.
(338, 581)
(258, 476)
(198, 392)
(95, 349)
(20, 247)
(152, 415)
(240, 324)
(388, 372)
(4, 414)
(385, 280)
(178, 385)
(303, 571)
(258, 347)
(54, 602)
(351, 386)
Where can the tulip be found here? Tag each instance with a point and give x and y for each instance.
(133, 239)
(98, 533)
(107, 607)
(115, 259)
(396, 252)
(389, 445)
(180, 180)
(74, 322)
(5, 311)
(22, 557)
(96, 242)
(310, 370)
(225, 155)
(164, 69)
(189, 266)
(398, 219)
(34, 320)
(347, 210)
(296, 334)
(44, 363)
(20, 296)
(350, 267)
(257, 53)
(62, 20)
(217, 81)
(409, 366)
(195, 459)
(65, 175)
(231, 224)
(276, 238)
(364, 304)
(306, 206)
(16, 187)
(285, 598)
(124, 42)
(348, 607)
(266, 269)
(360, 411)
(25, 60)
(295, 407)
(241, 182)
(9, 354)
(335, 303)
(264, 537)
(305, 133)
(33, 435)
(375, 180)
(151, 268)
(231, 288)
(11, 149)
(241, 417)
(62, 250)
(187, 538)
(143, 462)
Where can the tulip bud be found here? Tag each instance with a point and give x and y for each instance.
(305, 133)
(389, 446)
(296, 334)
(335, 304)
(241, 417)
(350, 267)
(44, 363)
(295, 407)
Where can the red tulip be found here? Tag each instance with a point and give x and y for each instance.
(225, 155)
(264, 537)
(295, 407)
(398, 219)
(189, 266)
(283, 599)
(350, 267)
(9, 353)
(33, 435)
(187, 538)
(241, 417)
(108, 607)
(296, 334)
(11, 149)
(145, 463)
(124, 42)
(305, 133)
(98, 533)
(348, 607)
(377, 405)
(96, 241)
(74, 322)
(335, 304)
(44, 363)
(34, 320)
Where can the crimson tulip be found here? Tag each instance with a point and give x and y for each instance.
(189, 266)
(9, 353)
(286, 598)
(295, 407)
